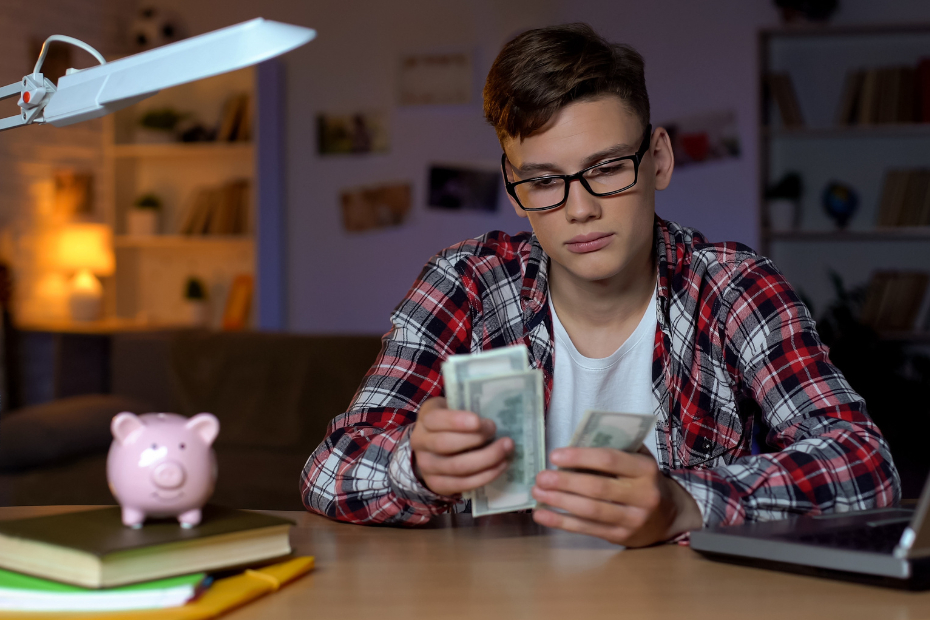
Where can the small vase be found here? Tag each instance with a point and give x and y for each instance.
(142, 222)
(198, 312)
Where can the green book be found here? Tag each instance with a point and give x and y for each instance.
(93, 549)
(20, 592)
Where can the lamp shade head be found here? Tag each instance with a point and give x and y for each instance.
(86, 246)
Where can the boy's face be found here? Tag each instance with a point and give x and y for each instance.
(591, 238)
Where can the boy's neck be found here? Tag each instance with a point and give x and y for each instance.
(600, 316)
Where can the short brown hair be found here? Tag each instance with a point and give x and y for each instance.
(543, 70)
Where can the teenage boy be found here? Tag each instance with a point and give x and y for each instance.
(622, 311)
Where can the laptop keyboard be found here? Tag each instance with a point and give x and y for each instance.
(877, 539)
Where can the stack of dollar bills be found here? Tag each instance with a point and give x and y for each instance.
(500, 385)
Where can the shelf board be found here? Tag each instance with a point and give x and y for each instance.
(827, 30)
(110, 325)
(889, 130)
(175, 241)
(183, 149)
(909, 233)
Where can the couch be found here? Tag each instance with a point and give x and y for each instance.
(274, 395)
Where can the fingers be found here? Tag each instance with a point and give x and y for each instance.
(639, 492)
(467, 463)
(612, 533)
(588, 509)
(606, 460)
(453, 485)
(450, 420)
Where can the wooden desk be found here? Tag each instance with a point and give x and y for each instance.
(508, 567)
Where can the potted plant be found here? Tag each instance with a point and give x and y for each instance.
(142, 219)
(159, 126)
(782, 202)
(195, 298)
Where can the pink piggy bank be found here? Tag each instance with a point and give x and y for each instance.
(162, 465)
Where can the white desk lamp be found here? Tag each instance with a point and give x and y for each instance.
(90, 93)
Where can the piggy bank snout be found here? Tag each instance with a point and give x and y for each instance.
(168, 475)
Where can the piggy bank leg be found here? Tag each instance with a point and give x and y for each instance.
(189, 519)
(133, 518)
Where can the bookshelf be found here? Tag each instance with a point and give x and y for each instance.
(152, 270)
(824, 149)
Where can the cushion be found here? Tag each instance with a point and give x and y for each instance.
(61, 429)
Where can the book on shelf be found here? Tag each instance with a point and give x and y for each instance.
(782, 91)
(238, 303)
(894, 299)
(236, 122)
(885, 95)
(922, 89)
(905, 198)
(19, 592)
(219, 210)
(93, 549)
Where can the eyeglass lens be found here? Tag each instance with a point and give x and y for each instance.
(550, 192)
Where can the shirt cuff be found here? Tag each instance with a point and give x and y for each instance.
(404, 480)
(714, 495)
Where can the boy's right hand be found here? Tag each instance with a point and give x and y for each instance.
(451, 453)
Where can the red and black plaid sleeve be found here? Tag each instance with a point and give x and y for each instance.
(831, 457)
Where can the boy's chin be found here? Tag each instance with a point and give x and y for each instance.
(591, 272)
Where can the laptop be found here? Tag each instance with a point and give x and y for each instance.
(884, 546)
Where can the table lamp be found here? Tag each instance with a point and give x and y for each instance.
(83, 94)
(87, 251)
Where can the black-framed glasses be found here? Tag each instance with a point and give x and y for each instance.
(604, 179)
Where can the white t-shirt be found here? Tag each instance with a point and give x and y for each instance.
(620, 382)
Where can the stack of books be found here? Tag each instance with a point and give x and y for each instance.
(886, 95)
(895, 302)
(905, 198)
(89, 561)
(220, 210)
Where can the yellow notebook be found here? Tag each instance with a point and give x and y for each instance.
(224, 595)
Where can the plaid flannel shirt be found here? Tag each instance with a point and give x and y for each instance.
(732, 338)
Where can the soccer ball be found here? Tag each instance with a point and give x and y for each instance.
(155, 27)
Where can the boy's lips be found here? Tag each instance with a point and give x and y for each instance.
(590, 242)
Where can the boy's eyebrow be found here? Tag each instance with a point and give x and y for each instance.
(617, 150)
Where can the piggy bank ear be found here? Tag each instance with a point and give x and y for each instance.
(124, 424)
(206, 425)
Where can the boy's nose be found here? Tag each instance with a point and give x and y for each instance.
(581, 206)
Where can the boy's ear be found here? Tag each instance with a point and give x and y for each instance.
(664, 157)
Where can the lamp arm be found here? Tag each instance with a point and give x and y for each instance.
(91, 93)
(6, 92)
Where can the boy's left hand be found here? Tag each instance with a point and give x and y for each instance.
(634, 504)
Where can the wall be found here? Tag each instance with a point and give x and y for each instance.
(28, 155)
(699, 56)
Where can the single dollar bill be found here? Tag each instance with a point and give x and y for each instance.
(610, 429)
(514, 401)
(460, 368)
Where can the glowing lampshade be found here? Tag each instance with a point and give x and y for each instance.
(86, 246)
(86, 249)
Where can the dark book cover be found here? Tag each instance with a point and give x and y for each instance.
(101, 532)
(923, 89)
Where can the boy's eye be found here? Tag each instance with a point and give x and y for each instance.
(613, 168)
(544, 183)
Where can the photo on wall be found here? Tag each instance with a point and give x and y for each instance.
(373, 207)
(353, 133)
(705, 137)
(456, 188)
(74, 194)
(435, 79)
